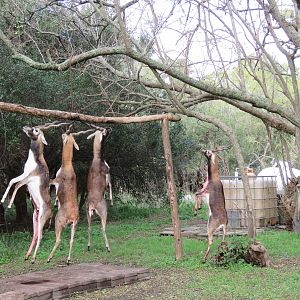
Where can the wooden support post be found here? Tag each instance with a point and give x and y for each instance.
(172, 188)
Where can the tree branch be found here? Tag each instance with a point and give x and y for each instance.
(58, 114)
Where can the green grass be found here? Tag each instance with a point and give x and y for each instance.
(135, 240)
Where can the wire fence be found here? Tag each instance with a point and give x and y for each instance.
(264, 202)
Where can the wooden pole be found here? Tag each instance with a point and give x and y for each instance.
(172, 188)
(59, 114)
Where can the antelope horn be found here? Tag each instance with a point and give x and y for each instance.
(68, 131)
(92, 125)
(108, 129)
(82, 132)
(50, 125)
(95, 126)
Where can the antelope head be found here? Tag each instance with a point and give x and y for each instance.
(212, 154)
(35, 134)
(100, 133)
(68, 138)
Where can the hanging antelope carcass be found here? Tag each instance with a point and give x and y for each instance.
(66, 191)
(199, 196)
(36, 177)
(98, 179)
(216, 200)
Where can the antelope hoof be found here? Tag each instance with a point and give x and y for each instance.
(33, 261)
(107, 249)
(48, 260)
(89, 248)
(2, 200)
(9, 206)
(68, 262)
(26, 258)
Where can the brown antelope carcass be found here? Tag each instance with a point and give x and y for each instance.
(216, 200)
(66, 191)
(199, 196)
(36, 177)
(98, 179)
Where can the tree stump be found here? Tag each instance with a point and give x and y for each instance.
(257, 254)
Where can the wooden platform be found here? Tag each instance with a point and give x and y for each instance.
(61, 282)
(200, 231)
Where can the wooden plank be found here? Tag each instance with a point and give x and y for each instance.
(60, 283)
(201, 232)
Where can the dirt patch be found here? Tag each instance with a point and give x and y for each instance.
(161, 285)
(285, 262)
(170, 284)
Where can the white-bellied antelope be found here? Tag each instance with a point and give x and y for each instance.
(98, 179)
(36, 177)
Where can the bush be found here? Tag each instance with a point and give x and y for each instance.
(232, 252)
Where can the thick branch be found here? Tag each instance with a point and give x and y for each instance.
(288, 27)
(58, 114)
(272, 120)
(256, 101)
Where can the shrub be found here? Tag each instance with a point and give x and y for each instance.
(228, 253)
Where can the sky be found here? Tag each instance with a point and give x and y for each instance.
(174, 44)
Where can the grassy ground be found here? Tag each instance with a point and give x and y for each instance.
(136, 242)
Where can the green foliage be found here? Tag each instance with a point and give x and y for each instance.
(125, 212)
(230, 253)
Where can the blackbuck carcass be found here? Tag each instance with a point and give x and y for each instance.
(98, 179)
(66, 191)
(216, 200)
(199, 196)
(36, 177)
